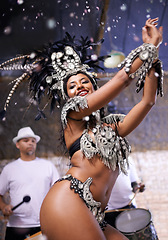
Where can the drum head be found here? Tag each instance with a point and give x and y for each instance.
(133, 220)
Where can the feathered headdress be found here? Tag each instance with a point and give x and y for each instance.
(47, 70)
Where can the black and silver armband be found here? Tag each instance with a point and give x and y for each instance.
(147, 53)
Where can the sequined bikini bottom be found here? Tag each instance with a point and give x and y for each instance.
(83, 189)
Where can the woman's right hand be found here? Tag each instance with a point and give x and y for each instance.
(150, 33)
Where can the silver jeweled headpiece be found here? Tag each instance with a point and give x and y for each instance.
(65, 64)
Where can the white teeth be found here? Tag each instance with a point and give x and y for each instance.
(83, 92)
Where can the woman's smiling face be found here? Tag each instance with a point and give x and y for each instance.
(79, 85)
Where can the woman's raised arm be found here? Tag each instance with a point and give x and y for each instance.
(139, 111)
(152, 37)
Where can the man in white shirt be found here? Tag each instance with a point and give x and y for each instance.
(122, 195)
(27, 176)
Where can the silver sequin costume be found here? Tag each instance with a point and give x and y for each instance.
(112, 148)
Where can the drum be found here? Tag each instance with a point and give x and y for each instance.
(36, 236)
(136, 224)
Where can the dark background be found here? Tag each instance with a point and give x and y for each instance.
(29, 24)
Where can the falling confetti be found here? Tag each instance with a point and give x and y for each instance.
(20, 2)
(51, 23)
(123, 7)
(72, 14)
(7, 30)
(32, 55)
(94, 57)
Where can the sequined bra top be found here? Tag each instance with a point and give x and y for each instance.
(74, 147)
(112, 148)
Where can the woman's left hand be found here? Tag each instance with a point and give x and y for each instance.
(150, 34)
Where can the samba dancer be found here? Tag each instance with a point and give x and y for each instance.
(74, 207)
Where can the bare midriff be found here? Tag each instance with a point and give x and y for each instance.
(103, 177)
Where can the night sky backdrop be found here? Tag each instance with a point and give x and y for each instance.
(26, 25)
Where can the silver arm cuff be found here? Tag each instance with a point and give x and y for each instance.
(147, 53)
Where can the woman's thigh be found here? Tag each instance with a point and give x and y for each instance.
(113, 234)
(64, 216)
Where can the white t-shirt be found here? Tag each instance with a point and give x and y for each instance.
(33, 178)
(122, 191)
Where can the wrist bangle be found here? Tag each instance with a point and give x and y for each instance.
(147, 53)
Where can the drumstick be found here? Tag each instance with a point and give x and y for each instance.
(133, 196)
(141, 188)
(117, 210)
(123, 209)
(25, 199)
